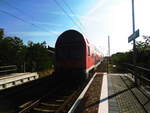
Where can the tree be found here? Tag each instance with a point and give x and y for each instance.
(34, 56)
(1, 33)
(38, 57)
(143, 52)
(143, 45)
(147, 40)
(142, 55)
(12, 51)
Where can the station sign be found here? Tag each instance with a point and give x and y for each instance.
(133, 36)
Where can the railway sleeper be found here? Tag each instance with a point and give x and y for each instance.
(48, 107)
(43, 109)
(40, 110)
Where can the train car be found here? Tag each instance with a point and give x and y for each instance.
(75, 56)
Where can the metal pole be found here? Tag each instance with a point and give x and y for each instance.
(133, 19)
(108, 59)
(108, 46)
(134, 46)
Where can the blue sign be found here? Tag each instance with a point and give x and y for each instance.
(133, 36)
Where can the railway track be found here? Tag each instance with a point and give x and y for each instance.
(58, 100)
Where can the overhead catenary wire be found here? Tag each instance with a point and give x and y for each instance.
(57, 3)
(22, 12)
(17, 9)
(74, 14)
(33, 24)
(23, 20)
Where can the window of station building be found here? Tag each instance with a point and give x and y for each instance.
(88, 51)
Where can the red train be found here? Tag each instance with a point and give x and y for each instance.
(75, 56)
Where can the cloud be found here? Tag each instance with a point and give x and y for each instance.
(35, 33)
(57, 13)
(112, 19)
(87, 19)
(47, 23)
(64, 14)
(98, 5)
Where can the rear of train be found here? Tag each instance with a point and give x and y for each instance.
(70, 54)
(74, 56)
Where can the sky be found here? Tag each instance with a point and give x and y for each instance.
(45, 20)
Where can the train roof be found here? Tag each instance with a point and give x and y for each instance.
(74, 36)
(70, 36)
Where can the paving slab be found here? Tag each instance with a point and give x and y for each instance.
(123, 98)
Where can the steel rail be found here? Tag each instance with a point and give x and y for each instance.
(35, 103)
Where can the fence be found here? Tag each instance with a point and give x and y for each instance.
(141, 75)
(7, 69)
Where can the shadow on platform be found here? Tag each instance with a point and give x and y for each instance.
(81, 109)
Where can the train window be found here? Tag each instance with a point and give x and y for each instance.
(88, 51)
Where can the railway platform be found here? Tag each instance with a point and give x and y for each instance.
(125, 97)
(118, 94)
(16, 79)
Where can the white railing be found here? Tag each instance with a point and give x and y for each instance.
(17, 79)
